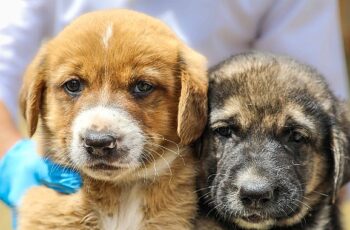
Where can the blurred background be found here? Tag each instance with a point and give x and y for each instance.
(5, 214)
(345, 21)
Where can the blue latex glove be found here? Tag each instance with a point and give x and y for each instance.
(22, 168)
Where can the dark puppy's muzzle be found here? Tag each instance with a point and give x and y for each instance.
(255, 193)
(259, 189)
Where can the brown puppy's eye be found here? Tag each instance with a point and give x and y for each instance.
(73, 87)
(142, 88)
(224, 131)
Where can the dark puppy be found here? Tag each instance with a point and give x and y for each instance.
(276, 149)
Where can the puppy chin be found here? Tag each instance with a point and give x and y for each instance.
(264, 224)
(271, 222)
(104, 170)
(109, 172)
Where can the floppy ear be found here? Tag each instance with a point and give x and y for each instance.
(31, 92)
(198, 147)
(193, 103)
(340, 148)
(201, 145)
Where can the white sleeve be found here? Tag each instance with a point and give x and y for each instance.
(23, 25)
(308, 30)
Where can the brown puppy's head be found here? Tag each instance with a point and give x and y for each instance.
(113, 92)
(276, 142)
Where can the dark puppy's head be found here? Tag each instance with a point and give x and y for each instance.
(275, 144)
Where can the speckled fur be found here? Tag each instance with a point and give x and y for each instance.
(261, 96)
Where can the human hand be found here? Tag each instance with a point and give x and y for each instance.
(22, 168)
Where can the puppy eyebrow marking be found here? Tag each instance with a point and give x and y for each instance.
(299, 117)
(66, 71)
(231, 106)
(219, 115)
(151, 71)
(231, 110)
(107, 36)
(222, 118)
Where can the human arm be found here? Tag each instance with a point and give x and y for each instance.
(23, 26)
(9, 133)
(21, 167)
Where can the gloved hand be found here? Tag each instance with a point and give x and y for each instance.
(22, 168)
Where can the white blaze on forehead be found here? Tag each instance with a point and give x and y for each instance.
(104, 95)
(108, 119)
(107, 35)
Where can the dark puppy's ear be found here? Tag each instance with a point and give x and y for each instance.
(31, 91)
(198, 147)
(201, 144)
(193, 103)
(340, 147)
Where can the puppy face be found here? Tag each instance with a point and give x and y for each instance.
(270, 151)
(112, 90)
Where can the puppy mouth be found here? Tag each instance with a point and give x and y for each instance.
(263, 216)
(255, 221)
(104, 166)
(254, 218)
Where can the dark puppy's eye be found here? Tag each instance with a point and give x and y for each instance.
(73, 87)
(297, 137)
(224, 131)
(142, 88)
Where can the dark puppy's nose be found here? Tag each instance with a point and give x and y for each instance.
(256, 194)
(99, 143)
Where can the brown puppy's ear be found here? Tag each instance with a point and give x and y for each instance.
(31, 92)
(340, 148)
(193, 103)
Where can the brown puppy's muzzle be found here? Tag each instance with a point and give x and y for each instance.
(100, 144)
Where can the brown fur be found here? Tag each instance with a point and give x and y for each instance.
(138, 42)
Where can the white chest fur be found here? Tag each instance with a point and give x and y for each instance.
(129, 214)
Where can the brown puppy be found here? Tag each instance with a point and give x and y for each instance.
(118, 97)
(276, 150)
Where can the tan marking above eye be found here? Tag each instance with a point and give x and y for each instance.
(219, 123)
(296, 113)
(150, 71)
(221, 115)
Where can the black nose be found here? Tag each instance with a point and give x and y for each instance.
(256, 194)
(99, 143)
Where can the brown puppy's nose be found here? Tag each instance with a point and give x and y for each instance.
(99, 143)
(256, 194)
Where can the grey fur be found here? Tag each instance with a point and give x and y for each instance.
(283, 119)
